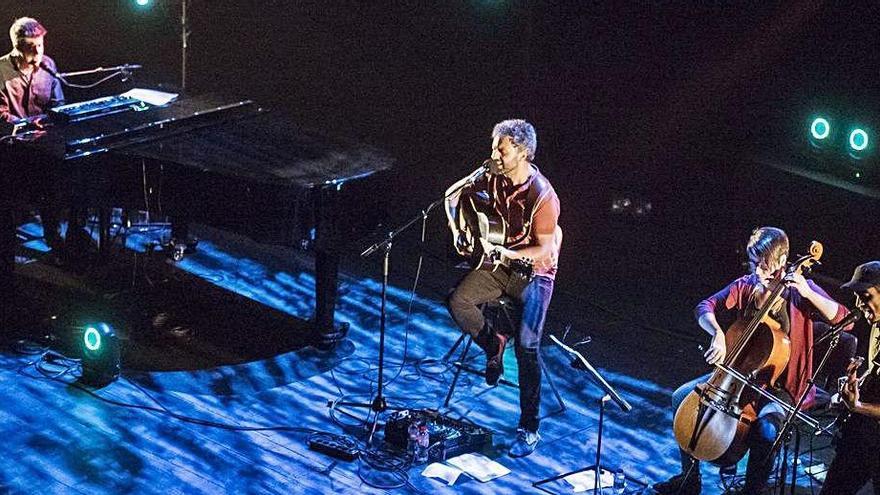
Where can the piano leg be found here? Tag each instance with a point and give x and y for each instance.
(14, 315)
(8, 241)
(104, 219)
(327, 333)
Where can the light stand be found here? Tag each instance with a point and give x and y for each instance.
(581, 362)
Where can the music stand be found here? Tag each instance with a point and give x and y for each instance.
(581, 362)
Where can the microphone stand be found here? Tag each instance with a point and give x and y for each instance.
(379, 404)
(118, 68)
(834, 335)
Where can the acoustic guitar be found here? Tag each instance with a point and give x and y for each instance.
(484, 230)
(846, 415)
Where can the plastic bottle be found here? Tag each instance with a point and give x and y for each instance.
(422, 444)
(619, 482)
(413, 441)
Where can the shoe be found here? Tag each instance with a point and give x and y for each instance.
(677, 485)
(742, 490)
(525, 443)
(495, 363)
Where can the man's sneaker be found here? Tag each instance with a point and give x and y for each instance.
(525, 443)
(677, 485)
(495, 363)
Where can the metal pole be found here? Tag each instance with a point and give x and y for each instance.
(184, 37)
(598, 483)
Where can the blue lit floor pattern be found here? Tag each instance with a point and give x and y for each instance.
(58, 439)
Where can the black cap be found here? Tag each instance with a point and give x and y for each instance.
(867, 275)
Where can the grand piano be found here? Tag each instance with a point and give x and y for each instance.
(211, 153)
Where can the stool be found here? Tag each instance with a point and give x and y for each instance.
(493, 310)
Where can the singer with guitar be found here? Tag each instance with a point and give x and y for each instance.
(857, 457)
(505, 216)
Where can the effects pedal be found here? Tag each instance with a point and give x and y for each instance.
(448, 437)
(334, 446)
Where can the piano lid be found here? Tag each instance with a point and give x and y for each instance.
(267, 148)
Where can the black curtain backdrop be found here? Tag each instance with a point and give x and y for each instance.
(665, 103)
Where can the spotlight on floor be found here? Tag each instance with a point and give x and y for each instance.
(100, 355)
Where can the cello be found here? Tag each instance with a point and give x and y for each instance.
(714, 420)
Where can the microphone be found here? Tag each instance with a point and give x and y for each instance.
(49, 70)
(852, 317)
(480, 172)
(849, 319)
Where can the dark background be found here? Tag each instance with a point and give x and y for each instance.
(677, 104)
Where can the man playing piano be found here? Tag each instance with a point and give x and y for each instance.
(27, 89)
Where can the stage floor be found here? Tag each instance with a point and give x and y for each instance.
(225, 402)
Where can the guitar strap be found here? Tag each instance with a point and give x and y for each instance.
(874, 349)
(538, 192)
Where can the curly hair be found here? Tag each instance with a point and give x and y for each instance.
(521, 132)
(25, 27)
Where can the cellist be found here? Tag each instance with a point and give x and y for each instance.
(767, 251)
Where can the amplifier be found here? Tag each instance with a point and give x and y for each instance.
(448, 437)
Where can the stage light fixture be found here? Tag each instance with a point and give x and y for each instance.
(820, 129)
(858, 140)
(100, 355)
(860, 146)
(821, 132)
(142, 3)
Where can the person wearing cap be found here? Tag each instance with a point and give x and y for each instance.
(857, 458)
(767, 250)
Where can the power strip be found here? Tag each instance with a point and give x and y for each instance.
(334, 446)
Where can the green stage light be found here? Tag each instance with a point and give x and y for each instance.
(820, 128)
(858, 140)
(100, 355)
(142, 3)
(92, 339)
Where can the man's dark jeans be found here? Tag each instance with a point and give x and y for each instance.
(482, 286)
